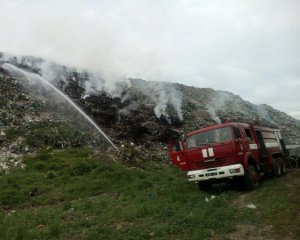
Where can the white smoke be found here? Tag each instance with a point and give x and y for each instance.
(222, 102)
(216, 103)
(128, 109)
(263, 113)
(199, 43)
(164, 95)
(212, 114)
(93, 82)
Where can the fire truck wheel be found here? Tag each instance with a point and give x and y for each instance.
(251, 178)
(205, 186)
(292, 162)
(277, 168)
(282, 166)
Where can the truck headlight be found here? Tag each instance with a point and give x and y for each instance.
(236, 170)
(191, 176)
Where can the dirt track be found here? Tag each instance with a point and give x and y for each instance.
(287, 220)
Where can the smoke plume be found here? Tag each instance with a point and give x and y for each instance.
(165, 97)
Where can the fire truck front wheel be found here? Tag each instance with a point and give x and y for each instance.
(251, 178)
(205, 185)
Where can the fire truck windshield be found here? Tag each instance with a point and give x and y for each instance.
(209, 137)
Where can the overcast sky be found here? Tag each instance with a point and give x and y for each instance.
(250, 48)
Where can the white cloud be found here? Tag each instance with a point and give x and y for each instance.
(250, 48)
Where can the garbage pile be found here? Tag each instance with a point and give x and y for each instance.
(144, 113)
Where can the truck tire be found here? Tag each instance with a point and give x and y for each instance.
(205, 186)
(251, 178)
(282, 166)
(292, 162)
(276, 168)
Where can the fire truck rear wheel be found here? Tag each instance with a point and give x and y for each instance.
(205, 186)
(251, 178)
(277, 168)
(282, 166)
(292, 162)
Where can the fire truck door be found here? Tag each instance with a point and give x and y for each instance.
(240, 142)
(251, 143)
(178, 155)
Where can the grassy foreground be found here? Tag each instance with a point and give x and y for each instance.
(85, 196)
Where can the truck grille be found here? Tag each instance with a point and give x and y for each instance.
(202, 164)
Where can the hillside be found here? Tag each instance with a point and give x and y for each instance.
(134, 109)
(128, 110)
(61, 179)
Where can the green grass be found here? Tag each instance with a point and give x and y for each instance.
(277, 202)
(84, 197)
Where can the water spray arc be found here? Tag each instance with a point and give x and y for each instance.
(28, 75)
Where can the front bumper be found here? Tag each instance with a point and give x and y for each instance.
(216, 173)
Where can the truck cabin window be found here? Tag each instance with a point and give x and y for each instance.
(209, 137)
(237, 133)
(176, 147)
(248, 133)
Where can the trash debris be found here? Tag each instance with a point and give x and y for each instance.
(151, 195)
(33, 192)
(11, 212)
(209, 199)
(251, 206)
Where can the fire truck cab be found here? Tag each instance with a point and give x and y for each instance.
(230, 151)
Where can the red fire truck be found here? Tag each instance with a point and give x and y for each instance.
(237, 152)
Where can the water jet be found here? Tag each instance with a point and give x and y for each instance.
(37, 78)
